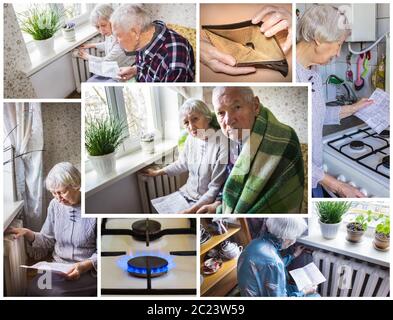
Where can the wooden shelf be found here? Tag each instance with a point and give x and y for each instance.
(216, 239)
(210, 280)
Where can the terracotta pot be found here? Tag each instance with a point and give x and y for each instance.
(381, 242)
(354, 235)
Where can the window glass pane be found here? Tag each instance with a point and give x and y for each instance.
(96, 105)
(74, 10)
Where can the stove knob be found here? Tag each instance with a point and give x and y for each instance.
(342, 178)
(325, 168)
(353, 184)
(364, 191)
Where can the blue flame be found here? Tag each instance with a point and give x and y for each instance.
(122, 262)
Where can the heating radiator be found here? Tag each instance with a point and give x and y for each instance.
(81, 67)
(15, 281)
(350, 278)
(154, 187)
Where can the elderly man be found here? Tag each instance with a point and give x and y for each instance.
(265, 166)
(162, 55)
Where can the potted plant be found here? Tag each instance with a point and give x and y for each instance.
(330, 215)
(357, 228)
(69, 31)
(102, 137)
(147, 142)
(382, 234)
(42, 22)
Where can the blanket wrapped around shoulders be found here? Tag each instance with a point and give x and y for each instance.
(268, 176)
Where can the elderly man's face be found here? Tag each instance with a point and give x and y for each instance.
(66, 195)
(126, 39)
(235, 114)
(104, 27)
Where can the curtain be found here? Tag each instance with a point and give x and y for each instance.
(23, 126)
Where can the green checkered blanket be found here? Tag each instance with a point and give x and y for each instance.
(268, 176)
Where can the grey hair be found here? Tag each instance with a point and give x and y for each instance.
(286, 228)
(101, 11)
(246, 92)
(128, 16)
(63, 174)
(195, 105)
(324, 23)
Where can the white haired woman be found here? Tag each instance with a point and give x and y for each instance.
(261, 270)
(66, 237)
(321, 33)
(204, 156)
(100, 18)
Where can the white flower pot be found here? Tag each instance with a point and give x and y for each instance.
(147, 146)
(329, 230)
(104, 165)
(69, 34)
(45, 47)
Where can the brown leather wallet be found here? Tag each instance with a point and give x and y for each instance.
(247, 44)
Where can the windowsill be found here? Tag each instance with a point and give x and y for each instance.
(125, 166)
(11, 210)
(83, 33)
(363, 250)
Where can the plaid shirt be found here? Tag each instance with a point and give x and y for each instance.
(167, 58)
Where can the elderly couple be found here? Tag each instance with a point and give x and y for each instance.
(161, 54)
(259, 169)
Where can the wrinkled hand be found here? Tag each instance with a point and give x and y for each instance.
(310, 290)
(74, 273)
(275, 19)
(150, 172)
(83, 54)
(21, 232)
(221, 62)
(126, 73)
(298, 251)
(363, 102)
(87, 46)
(209, 208)
(345, 190)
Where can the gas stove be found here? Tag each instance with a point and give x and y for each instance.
(148, 256)
(360, 157)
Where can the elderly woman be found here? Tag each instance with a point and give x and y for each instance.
(320, 37)
(204, 156)
(100, 18)
(261, 270)
(66, 236)
(162, 55)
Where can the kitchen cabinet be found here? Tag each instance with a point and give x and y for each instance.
(225, 279)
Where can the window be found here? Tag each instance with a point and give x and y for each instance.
(76, 12)
(136, 104)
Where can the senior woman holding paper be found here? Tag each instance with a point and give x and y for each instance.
(66, 237)
(204, 156)
(261, 270)
(100, 18)
(321, 34)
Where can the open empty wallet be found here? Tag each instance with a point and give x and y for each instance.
(247, 44)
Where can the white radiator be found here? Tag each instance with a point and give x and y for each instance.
(15, 281)
(350, 278)
(81, 67)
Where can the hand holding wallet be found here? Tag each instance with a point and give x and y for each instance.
(245, 42)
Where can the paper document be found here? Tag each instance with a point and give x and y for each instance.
(307, 276)
(172, 203)
(53, 266)
(377, 114)
(109, 69)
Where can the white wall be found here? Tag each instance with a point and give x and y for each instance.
(55, 80)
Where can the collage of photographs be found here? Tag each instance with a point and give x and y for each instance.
(195, 150)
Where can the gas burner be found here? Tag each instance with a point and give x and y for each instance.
(143, 227)
(138, 266)
(356, 145)
(385, 133)
(386, 162)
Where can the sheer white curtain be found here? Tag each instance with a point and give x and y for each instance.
(23, 126)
